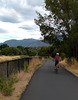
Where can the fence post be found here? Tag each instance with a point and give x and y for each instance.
(7, 70)
(18, 66)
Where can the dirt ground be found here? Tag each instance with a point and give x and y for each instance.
(24, 78)
(72, 66)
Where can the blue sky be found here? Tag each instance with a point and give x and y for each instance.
(17, 19)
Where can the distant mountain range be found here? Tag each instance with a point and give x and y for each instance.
(25, 43)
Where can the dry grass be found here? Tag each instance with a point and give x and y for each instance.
(33, 64)
(72, 66)
(5, 58)
(24, 78)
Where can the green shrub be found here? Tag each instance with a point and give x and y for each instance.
(25, 67)
(6, 85)
(63, 56)
(13, 79)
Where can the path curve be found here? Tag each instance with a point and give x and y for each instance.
(46, 85)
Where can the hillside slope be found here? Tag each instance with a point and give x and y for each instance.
(25, 43)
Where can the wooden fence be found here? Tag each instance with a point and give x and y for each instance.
(14, 66)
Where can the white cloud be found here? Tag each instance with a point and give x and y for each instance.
(13, 30)
(17, 19)
(2, 31)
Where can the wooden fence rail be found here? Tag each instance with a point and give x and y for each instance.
(14, 66)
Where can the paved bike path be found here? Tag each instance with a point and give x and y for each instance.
(47, 85)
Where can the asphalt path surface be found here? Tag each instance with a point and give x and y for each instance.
(45, 84)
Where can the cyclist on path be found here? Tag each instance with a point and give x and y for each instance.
(57, 57)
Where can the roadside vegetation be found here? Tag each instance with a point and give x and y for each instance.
(19, 50)
(71, 65)
(12, 87)
(25, 67)
(6, 85)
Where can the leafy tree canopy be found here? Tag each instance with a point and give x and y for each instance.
(3, 46)
(62, 19)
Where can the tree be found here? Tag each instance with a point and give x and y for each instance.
(30, 51)
(21, 48)
(11, 51)
(3, 46)
(43, 51)
(72, 44)
(62, 19)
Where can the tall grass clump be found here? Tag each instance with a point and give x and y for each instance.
(6, 85)
(25, 67)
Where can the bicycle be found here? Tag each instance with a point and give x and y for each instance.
(56, 69)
